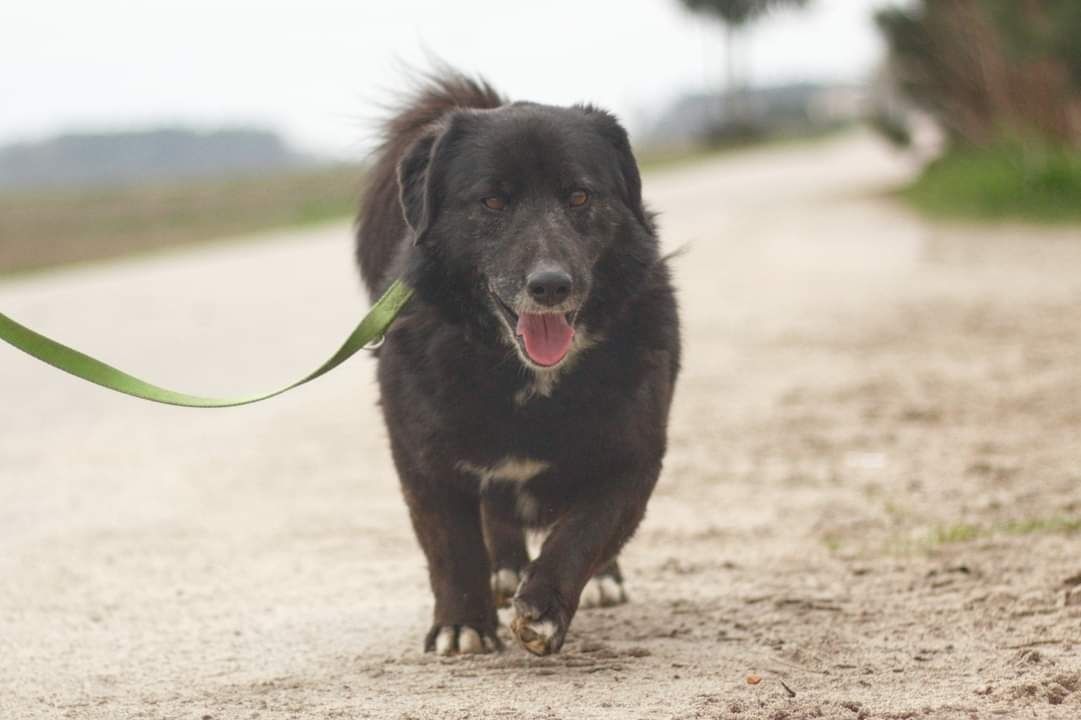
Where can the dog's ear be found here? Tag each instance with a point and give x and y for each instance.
(614, 133)
(413, 182)
(420, 173)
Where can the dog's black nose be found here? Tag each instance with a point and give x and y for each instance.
(549, 287)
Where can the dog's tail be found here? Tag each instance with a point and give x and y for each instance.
(380, 225)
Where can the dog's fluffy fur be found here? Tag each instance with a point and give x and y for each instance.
(487, 441)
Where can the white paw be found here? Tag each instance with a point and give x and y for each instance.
(536, 636)
(463, 640)
(603, 591)
(504, 584)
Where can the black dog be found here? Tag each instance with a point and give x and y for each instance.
(527, 384)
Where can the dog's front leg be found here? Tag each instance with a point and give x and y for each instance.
(447, 524)
(505, 538)
(578, 545)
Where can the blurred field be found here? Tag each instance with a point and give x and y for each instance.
(46, 228)
(660, 158)
(43, 228)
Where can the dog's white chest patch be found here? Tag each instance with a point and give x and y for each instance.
(510, 469)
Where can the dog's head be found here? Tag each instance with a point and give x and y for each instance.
(528, 223)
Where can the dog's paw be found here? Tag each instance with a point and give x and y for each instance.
(602, 591)
(460, 640)
(504, 584)
(540, 622)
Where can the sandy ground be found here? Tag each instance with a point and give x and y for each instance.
(871, 500)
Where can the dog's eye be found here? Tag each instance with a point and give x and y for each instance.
(578, 198)
(494, 203)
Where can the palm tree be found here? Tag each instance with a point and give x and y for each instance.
(736, 15)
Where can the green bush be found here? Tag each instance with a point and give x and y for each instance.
(1005, 180)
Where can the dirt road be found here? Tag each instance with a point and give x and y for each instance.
(872, 499)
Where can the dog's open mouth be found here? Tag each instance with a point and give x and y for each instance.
(545, 338)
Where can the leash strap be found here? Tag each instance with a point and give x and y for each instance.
(370, 330)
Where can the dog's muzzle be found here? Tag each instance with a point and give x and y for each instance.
(543, 332)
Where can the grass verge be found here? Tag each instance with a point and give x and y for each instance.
(963, 532)
(1011, 180)
(915, 540)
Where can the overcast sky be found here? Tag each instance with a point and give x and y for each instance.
(318, 70)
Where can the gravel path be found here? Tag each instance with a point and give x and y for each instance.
(872, 500)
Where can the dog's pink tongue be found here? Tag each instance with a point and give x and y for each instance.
(547, 336)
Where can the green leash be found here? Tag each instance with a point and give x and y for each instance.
(371, 329)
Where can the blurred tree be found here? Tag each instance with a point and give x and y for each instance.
(985, 68)
(738, 12)
(736, 15)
